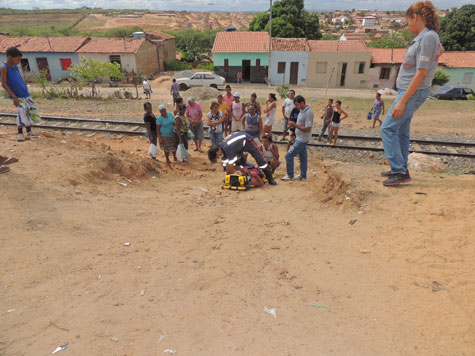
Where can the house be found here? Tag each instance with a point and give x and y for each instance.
(355, 36)
(368, 21)
(166, 43)
(385, 63)
(460, 66)
(132, 54)
(338, 64)
(241, 52)
(54, 54)
(289, 57)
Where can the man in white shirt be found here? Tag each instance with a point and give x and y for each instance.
(287, 108)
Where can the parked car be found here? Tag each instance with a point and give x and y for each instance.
(201, 79)
(449, 92)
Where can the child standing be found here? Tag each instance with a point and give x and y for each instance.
(378, 109)
(237, 112)
(223, 107)
(16, 88)
(336, 119)
(215, 123)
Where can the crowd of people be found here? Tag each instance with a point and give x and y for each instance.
(237, 126)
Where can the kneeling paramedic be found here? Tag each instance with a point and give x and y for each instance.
(232, 149)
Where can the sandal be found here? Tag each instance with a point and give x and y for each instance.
(4, 169)
(8, 160)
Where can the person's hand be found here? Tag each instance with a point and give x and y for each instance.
(16, 101)
(292, 124)
(398, 110)
(160, 139)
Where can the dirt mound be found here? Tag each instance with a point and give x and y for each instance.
(113, 165)
(334, 189)
(200, 94)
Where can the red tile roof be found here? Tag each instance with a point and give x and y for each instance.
(42, 44)
(387, 55)
(458, 59)
(241, 42)
(112, 45)
(337, 46)
(290, 44)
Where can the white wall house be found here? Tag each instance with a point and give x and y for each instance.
(289, 58)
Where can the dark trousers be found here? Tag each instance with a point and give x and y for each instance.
(324, 128)
(184, 138)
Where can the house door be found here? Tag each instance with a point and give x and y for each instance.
(43, 64)
(246, 70)
(343, 74)
(294, 72)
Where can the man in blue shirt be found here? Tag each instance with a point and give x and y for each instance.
(16, 88)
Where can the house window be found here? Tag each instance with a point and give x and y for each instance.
(385, 73)
(281, 67)
(321, 67)
(258, 65)
(25, 65)
(226, 65)
(115, 59)
(361, 67)
(65, 63)
(467, 78)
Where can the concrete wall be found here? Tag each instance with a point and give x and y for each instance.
(235, 59)
(54, 63)
(149, 58)
(170, 50)
(374, 74)
(235, 66)
(127, 60)
(288, 57)
(457, 76)
(336, 59)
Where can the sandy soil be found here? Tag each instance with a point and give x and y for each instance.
(351, 268)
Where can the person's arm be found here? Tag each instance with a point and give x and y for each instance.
(178, 129)
(275, 152)
(243, 116)
(259, 108)
(260, 127)
(159, 134)
(283, 108)
(221, 119)
(4, 72)
(149, 131)
(398, 109)
(200, 116)
(344, 113)
(210, 123)
(230, 168)
(382, 105)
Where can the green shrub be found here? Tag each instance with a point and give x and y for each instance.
(470, 97)
(283, 90)
(440, 78)
(177, 66)
(206, 66)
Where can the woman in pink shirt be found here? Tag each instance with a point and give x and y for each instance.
(194, 113)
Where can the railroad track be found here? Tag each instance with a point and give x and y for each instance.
(115, 128)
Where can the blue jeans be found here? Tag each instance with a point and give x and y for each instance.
(299, 148)
(395, 132)
(216, 138)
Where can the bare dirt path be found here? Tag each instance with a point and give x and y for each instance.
(203, 263)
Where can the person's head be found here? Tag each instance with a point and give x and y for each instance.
(272, 97)
(237, 97)
(228, 89)
(220, 98)
(330, 102)
(179, 100)
(214, 106)
(252, 109)
(182, 109)
(214, 153)
(338, 104)
(292, 94)
(253, 97)
(378, 96)
(14, 55)
(191, 101)
(174, 80)
(163, 110)
(422, 14)
(147, 107)
(299, 102)
(266, 140)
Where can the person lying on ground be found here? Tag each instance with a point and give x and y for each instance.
(233, 148)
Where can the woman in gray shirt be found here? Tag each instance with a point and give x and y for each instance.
(413, 83)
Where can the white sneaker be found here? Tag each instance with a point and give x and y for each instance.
(20, 137)
(286, 178)
(299, 177)
(30, 135)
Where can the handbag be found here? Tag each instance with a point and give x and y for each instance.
(181, 152)
(370, 115)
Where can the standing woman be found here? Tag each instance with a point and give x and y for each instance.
(413, 83)
(166, 132)
(253, 122)
(336, 120)
(270, 109)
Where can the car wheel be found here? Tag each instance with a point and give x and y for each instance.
(183, 86)
(214, 86)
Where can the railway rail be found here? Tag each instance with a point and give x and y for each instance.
(116, 128)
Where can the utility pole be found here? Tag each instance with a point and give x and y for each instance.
(270, 42)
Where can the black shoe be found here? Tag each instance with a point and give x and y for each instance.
(396, 179)
(389, 174)
(272, 181)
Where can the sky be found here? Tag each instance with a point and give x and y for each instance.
(212, 5)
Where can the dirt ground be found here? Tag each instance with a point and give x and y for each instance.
(351, 267)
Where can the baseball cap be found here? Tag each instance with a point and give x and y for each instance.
(236, 95)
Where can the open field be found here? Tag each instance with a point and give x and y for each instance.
(37, 21)
(203, 263)
(167, 21)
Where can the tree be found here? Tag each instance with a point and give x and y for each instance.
(457, 30)
(289, 19)
(91, 72)
(393, 40)
(440, 78)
